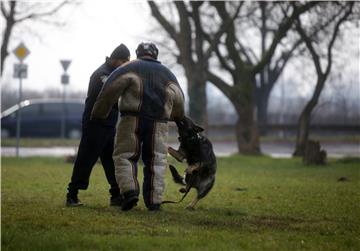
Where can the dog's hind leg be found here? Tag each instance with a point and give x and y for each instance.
(176, 176)
(191, 206)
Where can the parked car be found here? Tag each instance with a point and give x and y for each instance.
(43, 118)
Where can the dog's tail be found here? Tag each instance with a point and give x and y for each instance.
(176, 176)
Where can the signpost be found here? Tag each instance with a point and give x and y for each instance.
(20, 72)
(65, 80)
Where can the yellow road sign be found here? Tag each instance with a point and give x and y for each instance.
(21, 52)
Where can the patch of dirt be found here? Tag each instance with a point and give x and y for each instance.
(241, 189)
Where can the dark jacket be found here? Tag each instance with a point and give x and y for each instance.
(147, 89)
(97, 80)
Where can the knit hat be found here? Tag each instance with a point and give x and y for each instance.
(120, 52)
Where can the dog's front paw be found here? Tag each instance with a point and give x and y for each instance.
(176, 154)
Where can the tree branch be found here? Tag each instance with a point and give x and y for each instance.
(223, 62)
(3, 10)
(282, 61)
(335, 33)
(199, 34)
(223, 28)
(246, 52)
(6, 33)
(309, 45)
(221, 85)
(184, 40)
(162, 20)
(281, 32)
(43, 14)
(230, 38)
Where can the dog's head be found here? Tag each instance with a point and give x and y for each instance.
(187, 128)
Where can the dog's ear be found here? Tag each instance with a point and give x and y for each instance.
(198, 128)
(191, 124)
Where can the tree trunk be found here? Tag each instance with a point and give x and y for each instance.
(262, 101)
(10, 22)
(302, 132)
(247, 134)
(313, 154)
(304, 120)
(241, 96)
(197, 97)
(261, 98)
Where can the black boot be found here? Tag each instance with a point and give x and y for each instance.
(72, 200)
(130, 200)
(116, 200)
(154, 207)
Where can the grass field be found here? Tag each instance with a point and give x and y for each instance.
(51, 142)
(257, 204)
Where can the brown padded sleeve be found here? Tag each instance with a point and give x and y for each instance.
(110, 95)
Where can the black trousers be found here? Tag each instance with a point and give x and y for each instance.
(96, 141)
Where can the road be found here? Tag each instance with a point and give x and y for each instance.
(274, 149)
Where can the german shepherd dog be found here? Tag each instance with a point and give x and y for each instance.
(200, 158)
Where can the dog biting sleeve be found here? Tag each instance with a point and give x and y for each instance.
(174, 107)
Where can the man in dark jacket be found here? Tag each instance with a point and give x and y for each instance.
(97, 138)
(150, 96)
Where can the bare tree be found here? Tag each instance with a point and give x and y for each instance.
(193, 55)
(190, 37)
(19, 12)
(243, 71)
(340, 13)
(269, 17)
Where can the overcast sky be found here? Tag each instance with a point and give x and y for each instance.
(93, 30)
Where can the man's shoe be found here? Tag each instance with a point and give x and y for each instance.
(116, 201)
(73, 201)
(130, 201)
(154, 207)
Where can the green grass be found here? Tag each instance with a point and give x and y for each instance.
(258, 203)
(355, 138)
(51, 142)
(40, 142)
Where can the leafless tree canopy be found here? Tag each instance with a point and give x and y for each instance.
(18, 12)
(320, 48)
(249, 42)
